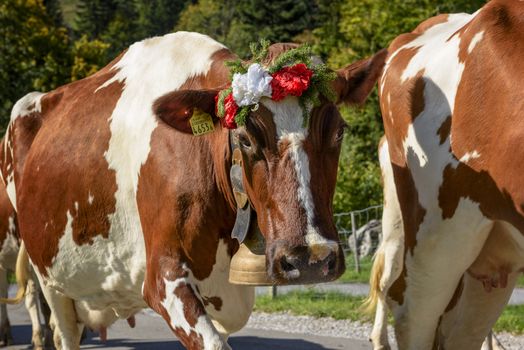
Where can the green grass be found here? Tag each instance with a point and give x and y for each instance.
(339, 306)
(335, 305)
(511, 320)
(520, 281)
(351, 274)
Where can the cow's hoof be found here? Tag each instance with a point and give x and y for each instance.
(380, 346)
(7, 337)
(48, 339)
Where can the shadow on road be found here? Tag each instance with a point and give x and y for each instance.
(22, 335)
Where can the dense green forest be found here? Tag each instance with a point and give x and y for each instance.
(47, 43)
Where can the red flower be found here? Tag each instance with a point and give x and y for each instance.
(230, 108)
(292, 80)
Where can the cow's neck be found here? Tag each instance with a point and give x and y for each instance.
(221, 152)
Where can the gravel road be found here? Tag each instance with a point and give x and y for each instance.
(151, 332)
(281, 331)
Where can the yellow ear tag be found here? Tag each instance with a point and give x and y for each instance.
(201, 122)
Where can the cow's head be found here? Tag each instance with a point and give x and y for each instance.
(290, 168)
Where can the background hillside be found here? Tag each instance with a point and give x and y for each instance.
(47, 43)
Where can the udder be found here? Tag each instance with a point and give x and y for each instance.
(502, 254)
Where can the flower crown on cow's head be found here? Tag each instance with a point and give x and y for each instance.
(293, 73)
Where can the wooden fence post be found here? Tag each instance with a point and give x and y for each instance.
(272, 291)
(354, 233)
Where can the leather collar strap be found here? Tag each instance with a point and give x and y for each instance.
(244, 210)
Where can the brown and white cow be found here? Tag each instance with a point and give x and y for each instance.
(452, 102)
(9, 249)
(120, 209)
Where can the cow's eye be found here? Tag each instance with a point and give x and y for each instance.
(340, 133)
(244, 142)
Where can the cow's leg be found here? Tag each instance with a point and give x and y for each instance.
(467, 324)
(443, 251)
(63, 320)
(46, 313)
(31, 303)
(170, 291)
(387, 265)
(5, 327)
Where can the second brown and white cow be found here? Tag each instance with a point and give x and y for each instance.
(120, 209)
(453, 108)
(30, 293)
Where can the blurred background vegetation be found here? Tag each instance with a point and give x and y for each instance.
(47, 43)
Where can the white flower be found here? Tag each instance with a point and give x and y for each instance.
(248, 88)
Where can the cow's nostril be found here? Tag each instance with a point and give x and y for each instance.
(288, 269)
(332, 262)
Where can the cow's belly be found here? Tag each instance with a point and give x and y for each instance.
(108, 273)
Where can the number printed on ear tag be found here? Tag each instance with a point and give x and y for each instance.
(201, 122)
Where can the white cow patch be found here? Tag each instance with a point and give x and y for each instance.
(175, 308)
(289, 121)
(476, 39)
(26, 105)
(468, 156)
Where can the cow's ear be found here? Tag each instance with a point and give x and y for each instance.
(176, 108)
(354, 82)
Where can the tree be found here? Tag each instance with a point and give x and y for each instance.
(121, 30)
(93, 17)
(158, 17)
(33, 52)
(54, 11)
(88, 57)
(238, 23)
(276, 21)
(211, 17)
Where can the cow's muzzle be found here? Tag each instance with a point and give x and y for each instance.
(304, 264)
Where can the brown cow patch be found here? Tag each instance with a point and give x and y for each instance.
(444, 131)
(464, 182)
(215, 301)
(416, 86)
(412, 216)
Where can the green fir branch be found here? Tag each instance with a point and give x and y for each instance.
(242, 114)
(259, 50)
(301, 54)
(235, 67)
(220, 103)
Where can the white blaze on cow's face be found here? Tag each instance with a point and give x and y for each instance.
(290, 173)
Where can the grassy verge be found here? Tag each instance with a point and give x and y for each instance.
(339, 306)
(520, 281)
(351, 274)
(310, 303)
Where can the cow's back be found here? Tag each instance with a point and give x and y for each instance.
(74, 156)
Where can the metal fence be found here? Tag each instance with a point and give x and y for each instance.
(349, 223)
